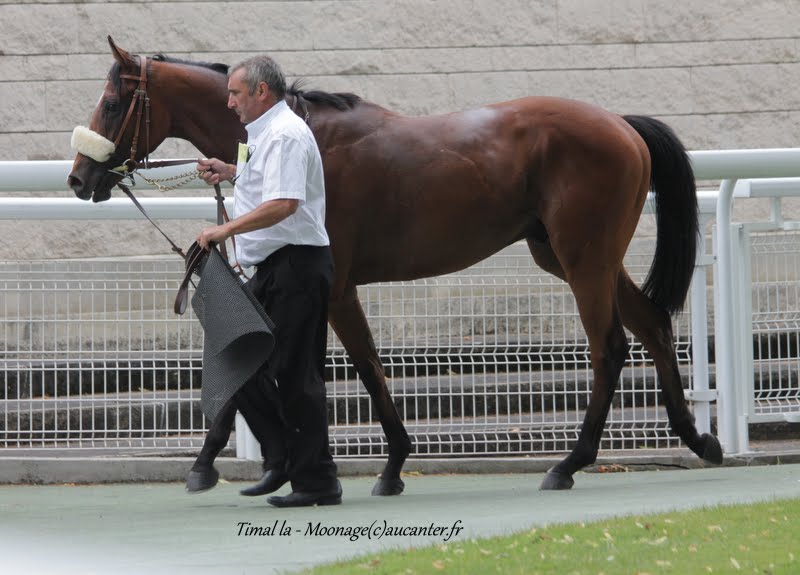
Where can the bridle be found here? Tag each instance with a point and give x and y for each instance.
(140, 103)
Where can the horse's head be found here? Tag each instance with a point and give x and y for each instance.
(121, 131)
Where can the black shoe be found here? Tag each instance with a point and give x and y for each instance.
(309, 498)
(272, 480)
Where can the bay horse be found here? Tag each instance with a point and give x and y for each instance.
(414, 197)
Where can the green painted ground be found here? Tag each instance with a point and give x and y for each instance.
(157, 528)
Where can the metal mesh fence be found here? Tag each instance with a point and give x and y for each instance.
(775, 267)
(91, 355)
(491, 360)
(494, 360)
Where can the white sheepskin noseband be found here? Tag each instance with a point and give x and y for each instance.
(91, 144)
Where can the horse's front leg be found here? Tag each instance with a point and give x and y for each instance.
(203, 475)
(350, 324)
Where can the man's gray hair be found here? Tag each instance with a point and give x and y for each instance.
(262, 69)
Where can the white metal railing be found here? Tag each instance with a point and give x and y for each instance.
(733, 331)
(51, 176)
(730, 166)
(733, 296)
(494, 354)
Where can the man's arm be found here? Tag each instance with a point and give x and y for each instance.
(267, 214)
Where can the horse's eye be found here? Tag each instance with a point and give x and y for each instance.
(111, 107)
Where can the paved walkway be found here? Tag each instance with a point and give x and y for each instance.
(157, 528)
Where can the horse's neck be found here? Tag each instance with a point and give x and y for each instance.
(202, 117)
(339, 127)
(215, 132)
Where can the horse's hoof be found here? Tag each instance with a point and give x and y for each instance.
(554, 480)
(712, 450)
(388, 486)
(199, 481)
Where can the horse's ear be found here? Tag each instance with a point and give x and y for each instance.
(120, 55)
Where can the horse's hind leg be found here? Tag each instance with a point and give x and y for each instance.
(203, 475)
(653, 327)
(350, 324)
(606, 364)
(594, 290)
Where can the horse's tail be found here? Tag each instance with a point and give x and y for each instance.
(672, 181)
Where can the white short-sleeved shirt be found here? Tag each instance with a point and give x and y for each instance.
(284, 163)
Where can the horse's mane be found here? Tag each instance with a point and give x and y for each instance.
(114, 73)
(216, 66)
(342, 101)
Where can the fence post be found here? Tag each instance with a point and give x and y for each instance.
(727, 408)
(743, 332)
(247, 447)
(699, 393)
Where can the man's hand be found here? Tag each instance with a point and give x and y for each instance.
(213, 234)
(214, 171)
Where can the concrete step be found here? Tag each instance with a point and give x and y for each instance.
(430, 397)
(45, 374)
(171, 425)
(479, 405)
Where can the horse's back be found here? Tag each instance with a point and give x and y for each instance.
(511, 137)
(453, 189)
(542, 144)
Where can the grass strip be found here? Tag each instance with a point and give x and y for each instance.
(761, 538)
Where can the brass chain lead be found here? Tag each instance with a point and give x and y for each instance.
(186, 178)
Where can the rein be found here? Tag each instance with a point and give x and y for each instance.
(194, 256)
(222, 213)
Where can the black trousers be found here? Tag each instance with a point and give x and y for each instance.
(285, 403)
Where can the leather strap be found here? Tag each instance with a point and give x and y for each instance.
(141, 102)
(194, 257)
(222, 213)
(149, 164)
(128, 193)
(222, 217)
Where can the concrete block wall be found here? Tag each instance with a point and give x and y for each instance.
(723, 73)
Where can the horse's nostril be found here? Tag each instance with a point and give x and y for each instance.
(77, 185)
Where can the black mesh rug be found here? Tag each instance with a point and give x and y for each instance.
(238, 333)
